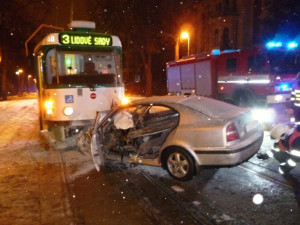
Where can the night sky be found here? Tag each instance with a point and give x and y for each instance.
(147, 27)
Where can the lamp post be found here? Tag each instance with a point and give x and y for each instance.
(28, 82)
(183, 35)
(18, 73)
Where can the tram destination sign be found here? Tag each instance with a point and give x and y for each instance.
(85, 39)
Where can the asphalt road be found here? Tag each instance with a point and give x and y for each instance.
(121, 193)
(44, 183)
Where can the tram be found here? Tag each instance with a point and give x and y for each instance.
(79, 72)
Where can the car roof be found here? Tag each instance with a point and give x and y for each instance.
(208, 106)
(161, 99)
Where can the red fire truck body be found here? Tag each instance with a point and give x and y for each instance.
(242, 77)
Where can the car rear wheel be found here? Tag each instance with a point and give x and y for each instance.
(179, 164)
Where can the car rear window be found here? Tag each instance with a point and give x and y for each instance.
(211, 107)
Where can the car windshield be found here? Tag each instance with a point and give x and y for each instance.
(284, 62)
(73, 67)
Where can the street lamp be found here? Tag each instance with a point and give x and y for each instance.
(183, 35)
(28, 82)
(18, 73)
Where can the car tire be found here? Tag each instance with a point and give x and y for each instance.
(179, 164)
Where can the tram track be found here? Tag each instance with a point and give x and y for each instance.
(271, 175)
(198, 214)
(164, 205)
(154, 193)
(202, 212)
(158, 201)
(212, 212)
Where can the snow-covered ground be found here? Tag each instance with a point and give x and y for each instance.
(32, 185)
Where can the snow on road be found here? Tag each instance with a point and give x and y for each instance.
(18, 119)
(31, 182)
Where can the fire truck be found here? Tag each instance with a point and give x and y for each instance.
(242, 77)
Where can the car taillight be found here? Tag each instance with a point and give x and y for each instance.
(231, 133)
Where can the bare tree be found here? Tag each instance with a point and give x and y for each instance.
(144, 26)
(18, 19)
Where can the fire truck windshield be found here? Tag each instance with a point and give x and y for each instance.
(73, 67)
(287, 62)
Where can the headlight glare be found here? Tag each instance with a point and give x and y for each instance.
(270, 154)
(125, 101)
(295, 153)
(264, 115)
(49, 106)
(49, 111)
(68, 111)
(291, 163)
(278, 98)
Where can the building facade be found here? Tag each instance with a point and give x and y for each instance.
(229, 24)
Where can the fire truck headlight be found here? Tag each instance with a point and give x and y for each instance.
(264, 115)
(49, 107)
(278, 98)
(68, 111)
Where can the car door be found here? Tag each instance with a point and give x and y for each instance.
(107, 130)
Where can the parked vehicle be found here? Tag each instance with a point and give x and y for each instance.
(180, 133)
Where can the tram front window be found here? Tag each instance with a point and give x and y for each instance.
(70, 67)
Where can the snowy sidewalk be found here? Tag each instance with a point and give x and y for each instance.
(32, 186)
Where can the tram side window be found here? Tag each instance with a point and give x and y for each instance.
(51, 66)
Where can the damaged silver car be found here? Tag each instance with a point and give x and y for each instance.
(179, 133)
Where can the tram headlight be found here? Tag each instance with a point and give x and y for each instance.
(125, 100)
(68, 111)
(49, 107)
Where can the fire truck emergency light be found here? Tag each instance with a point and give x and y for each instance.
(292, 45)
(273, 44)
(278, 44)
(285, 87)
